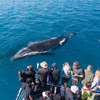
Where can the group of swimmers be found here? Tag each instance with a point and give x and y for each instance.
(90, 81)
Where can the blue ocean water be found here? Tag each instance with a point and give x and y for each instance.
(25, 21)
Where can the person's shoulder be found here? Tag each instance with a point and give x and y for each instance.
(80, 68)
(44, 70)
(67, 88)
(58, 69)
(92, 74)
(74, 68)
(47, 70)
(68, 67)
(40, 69)
(85, 70)
(28, 88)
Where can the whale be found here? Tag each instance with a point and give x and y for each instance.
(42, 46)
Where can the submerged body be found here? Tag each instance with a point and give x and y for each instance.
(41, 47)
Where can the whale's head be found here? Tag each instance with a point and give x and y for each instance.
(22, 53)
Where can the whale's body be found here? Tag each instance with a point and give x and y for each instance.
(41, 47)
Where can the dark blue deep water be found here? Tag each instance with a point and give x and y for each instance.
(25, 21)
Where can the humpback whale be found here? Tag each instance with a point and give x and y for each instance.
(42, 46)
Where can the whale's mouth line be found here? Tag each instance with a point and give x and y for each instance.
(25, 55)
(33, 53)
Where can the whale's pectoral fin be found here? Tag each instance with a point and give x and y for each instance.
(62, 41)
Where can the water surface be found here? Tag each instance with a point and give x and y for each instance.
(24, 21)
